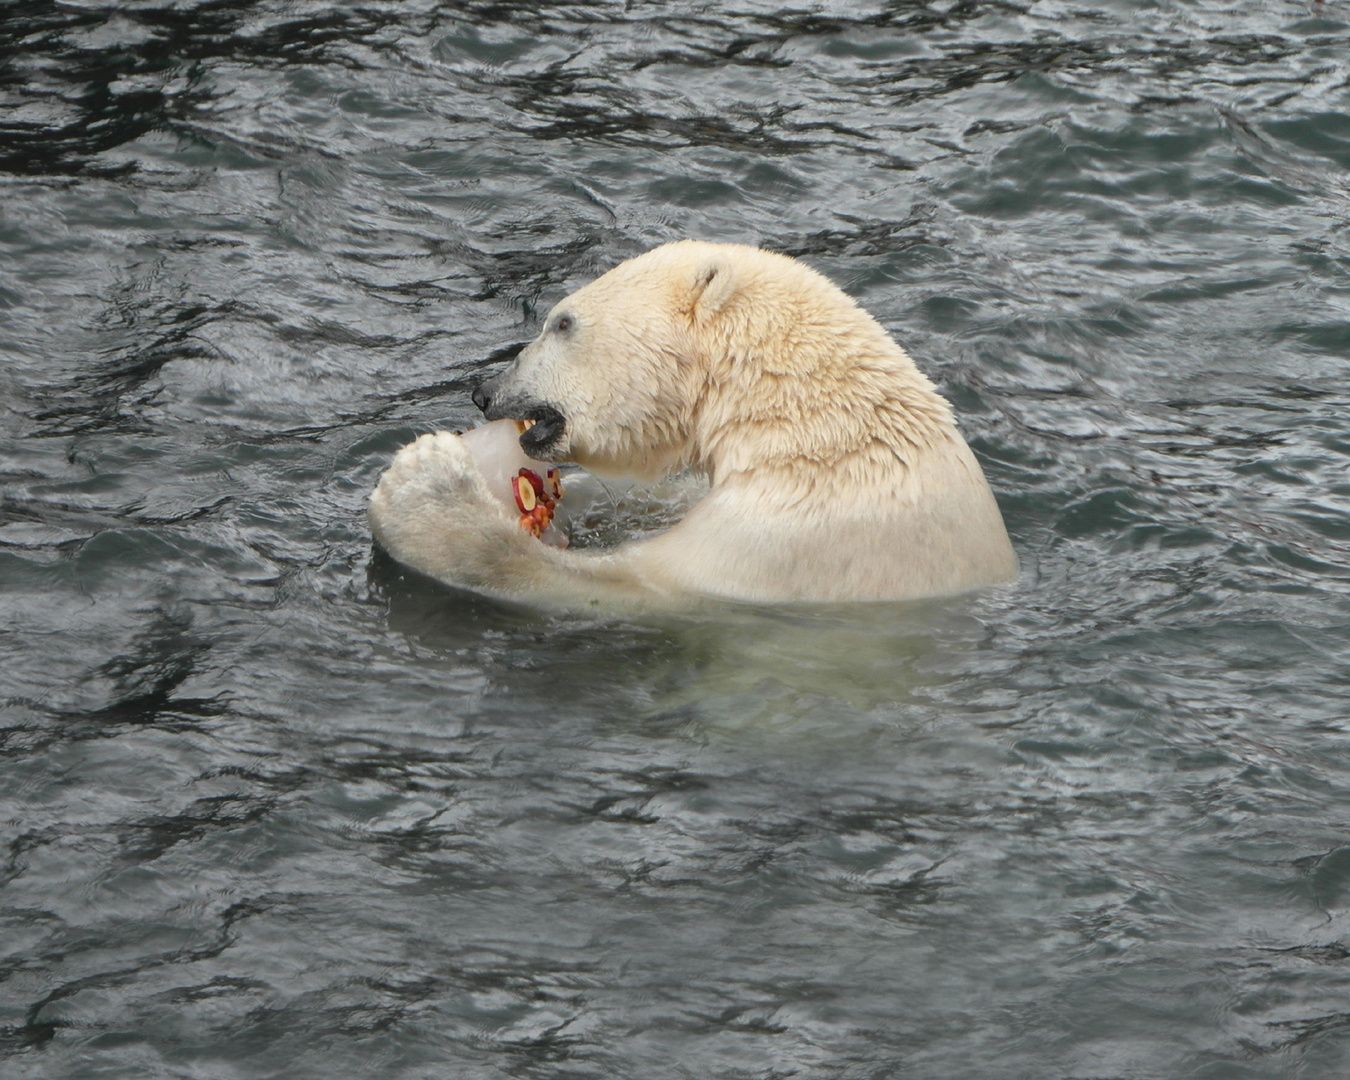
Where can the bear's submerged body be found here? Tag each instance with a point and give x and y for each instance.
(836, 471)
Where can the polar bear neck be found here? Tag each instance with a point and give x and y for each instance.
(802, 384)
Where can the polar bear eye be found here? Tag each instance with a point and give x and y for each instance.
(563, 324)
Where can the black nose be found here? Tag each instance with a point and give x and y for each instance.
(482, 395)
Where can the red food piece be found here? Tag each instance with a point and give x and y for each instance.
(535, 482)
(525, 494)
(536, 498)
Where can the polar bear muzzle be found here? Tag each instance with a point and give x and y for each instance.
(544, 434)
(547, 424)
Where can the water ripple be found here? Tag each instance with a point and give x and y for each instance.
(275, 807)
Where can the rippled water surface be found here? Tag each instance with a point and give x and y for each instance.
(272, 808)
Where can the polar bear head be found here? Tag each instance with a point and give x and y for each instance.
(613, 379)
(718, 357)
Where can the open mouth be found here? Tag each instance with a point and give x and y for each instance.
(541, 430)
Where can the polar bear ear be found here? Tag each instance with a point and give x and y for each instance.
(714, 284)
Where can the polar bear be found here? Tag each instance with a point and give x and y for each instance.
(835, 469)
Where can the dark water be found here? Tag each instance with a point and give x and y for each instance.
(272, 809)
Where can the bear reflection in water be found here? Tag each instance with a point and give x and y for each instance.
(835, 469)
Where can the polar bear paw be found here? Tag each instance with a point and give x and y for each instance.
(434, 466)
(432, 502)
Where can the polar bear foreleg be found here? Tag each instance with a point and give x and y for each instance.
(432, 511)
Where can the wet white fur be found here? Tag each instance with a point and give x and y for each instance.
(836, 471)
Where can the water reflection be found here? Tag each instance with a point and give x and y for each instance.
(727, 664)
